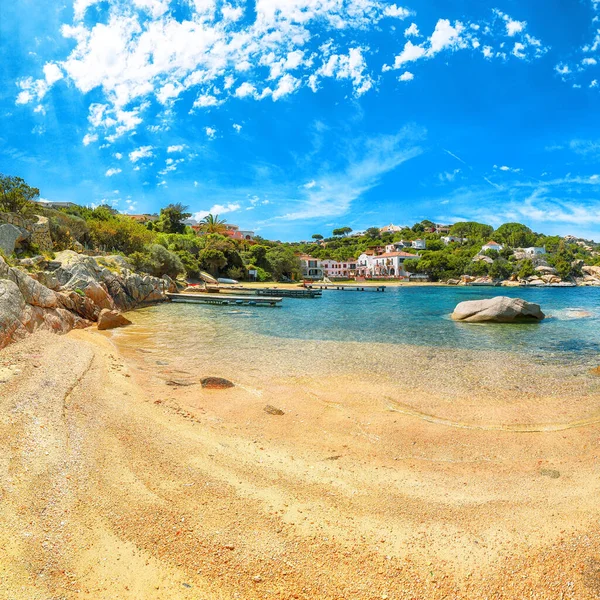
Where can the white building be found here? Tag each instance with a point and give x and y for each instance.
(492, 246)
(389, 264)
(449, 239)
(419, 244)
(391, 228)
(50, 204)
(311, 267)
(338, 269)
(534, 251)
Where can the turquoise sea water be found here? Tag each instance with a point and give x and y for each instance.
(419, 316)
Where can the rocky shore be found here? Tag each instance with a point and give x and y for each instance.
(69, 292)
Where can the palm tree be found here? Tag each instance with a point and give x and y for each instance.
(212, 224)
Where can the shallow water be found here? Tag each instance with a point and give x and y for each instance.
(414, 316)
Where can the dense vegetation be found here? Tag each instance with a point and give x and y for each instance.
(168, 246)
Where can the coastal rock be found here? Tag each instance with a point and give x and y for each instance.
(11, 236)
(120, 288)
(593, 271)
(453, 281)
(500, 309)
(111, 319)
(216, 383)
(25, 307)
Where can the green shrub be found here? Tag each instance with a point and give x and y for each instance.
(156, 260)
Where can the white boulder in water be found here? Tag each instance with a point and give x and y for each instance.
(500, 309)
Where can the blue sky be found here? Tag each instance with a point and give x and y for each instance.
(293, 117)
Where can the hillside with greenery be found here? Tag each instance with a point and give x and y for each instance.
(169, 246)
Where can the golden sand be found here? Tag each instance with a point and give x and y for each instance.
(122, 478)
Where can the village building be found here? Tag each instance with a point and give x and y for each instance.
(311, 267)
(50, 204)
(391, 228)
(334, 269)
(534, 251)
(143, 219)
(450, 239)
(491, 245)
(419, 244)
(389, 264)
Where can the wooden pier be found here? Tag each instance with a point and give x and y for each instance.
(345, 287)
(274, 292)
(225, 299)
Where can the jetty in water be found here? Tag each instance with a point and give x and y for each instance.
(225, 299)
(344, 287)
(273, 292)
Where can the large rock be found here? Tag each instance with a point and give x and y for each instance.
(125, 288)
(593, 271)
(110, 319)
(500, 310)
(11, 237)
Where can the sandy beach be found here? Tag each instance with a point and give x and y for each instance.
(122, 477)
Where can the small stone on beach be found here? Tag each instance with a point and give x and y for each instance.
(272, 410)
(216, 383)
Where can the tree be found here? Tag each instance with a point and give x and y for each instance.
(283, 262)
(212, 260)
(171, 219)
(212, 224)
(526, 269)
(472, 230)
(317, 236)
(156, 260)
(500, 269)
(515, 235)
(373, 232)
(342, 231)
(15, 195)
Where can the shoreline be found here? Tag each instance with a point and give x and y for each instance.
(125, 486)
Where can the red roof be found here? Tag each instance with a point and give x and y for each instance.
(492, 242)
(390, 254)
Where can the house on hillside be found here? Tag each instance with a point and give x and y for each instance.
(450, 239)
(235, 233)
(389, 264)
(391, 228)
(143, 219)
(419, 244)
(50, 204)
(491, 245)
(338, 269)
(311, 267)
(534, 251)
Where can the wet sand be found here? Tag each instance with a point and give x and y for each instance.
(121, 477)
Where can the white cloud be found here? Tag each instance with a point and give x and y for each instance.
(141, 152)
(413, 30)
(333, 193)
(118, 155)
(406, 76)
(211, 133)
(112, 172)
(144, 53)
(176, 148)
(237, 127)
(217, 209)
(244, 90)
(397, 11)
(310, 185)
(52, 73)
(205, 100)
(89, 138)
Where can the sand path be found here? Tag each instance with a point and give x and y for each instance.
(114, 488)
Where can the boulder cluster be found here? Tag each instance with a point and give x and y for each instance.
(71, 291)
